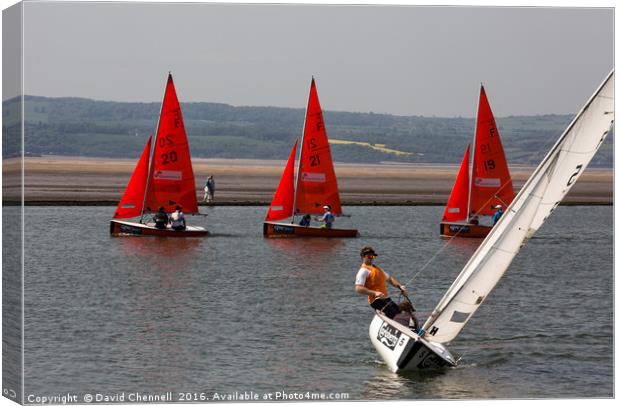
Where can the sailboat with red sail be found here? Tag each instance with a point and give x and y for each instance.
(163, 178)
(314, 187)
(473, 200)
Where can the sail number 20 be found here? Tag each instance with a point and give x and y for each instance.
(169, 157)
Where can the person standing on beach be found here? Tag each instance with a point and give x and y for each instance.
(372, 282)
(209, 190)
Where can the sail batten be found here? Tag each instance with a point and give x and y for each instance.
(549, 183)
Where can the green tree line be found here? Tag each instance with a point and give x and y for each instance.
(84, 127)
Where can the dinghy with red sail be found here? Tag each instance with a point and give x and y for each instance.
(314, 187)
(471, 203)
(163, 178)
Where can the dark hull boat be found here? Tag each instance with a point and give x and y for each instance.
(287, 230)
(450, 229)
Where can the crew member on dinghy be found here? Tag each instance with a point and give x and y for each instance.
(371, 281)
(328, 218)
(305, 220)
(161, 219)
(177, 219)
(498, 213)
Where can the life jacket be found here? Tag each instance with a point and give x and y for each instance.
(177, 219)
(329, 218)
(160, 217)
(376, 280)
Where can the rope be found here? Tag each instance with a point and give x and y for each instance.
(488, 201)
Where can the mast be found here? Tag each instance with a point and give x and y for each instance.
(148, 176)
(301, 148)
(473, 157)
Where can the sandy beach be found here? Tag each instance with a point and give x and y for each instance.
(100, 181)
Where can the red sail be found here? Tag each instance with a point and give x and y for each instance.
(133, 198)
(490, 175)
(282, 203)
(316, 180)
(456, 209)
(172, 178)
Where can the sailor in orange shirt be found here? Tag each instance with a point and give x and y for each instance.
(371, 281)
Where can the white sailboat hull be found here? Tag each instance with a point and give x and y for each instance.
(120, 227)
(404, 350)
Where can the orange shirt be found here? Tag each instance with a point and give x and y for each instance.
(376, 280)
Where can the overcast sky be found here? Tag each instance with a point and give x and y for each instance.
(406, 60)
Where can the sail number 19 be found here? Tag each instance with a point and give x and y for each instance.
(489, 165)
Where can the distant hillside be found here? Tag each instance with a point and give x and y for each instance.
(84, 127)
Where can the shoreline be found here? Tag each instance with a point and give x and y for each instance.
(79, 181)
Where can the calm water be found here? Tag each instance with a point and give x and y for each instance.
(236, 312)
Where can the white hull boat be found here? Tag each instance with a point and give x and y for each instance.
(403, 350)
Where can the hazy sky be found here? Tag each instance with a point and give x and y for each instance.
(406, 60)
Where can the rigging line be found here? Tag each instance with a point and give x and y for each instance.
(432, 258)
(451, 238)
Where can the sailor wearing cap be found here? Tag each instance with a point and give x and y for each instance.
(498, 213)
(371, 281)
(328, 218)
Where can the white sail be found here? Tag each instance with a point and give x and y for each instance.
(539, 196)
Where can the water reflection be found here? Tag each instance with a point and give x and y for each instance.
(312, 252)
(158, 289)
(454, 383)
(160, 252)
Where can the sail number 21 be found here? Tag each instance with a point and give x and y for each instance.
(315, 160)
